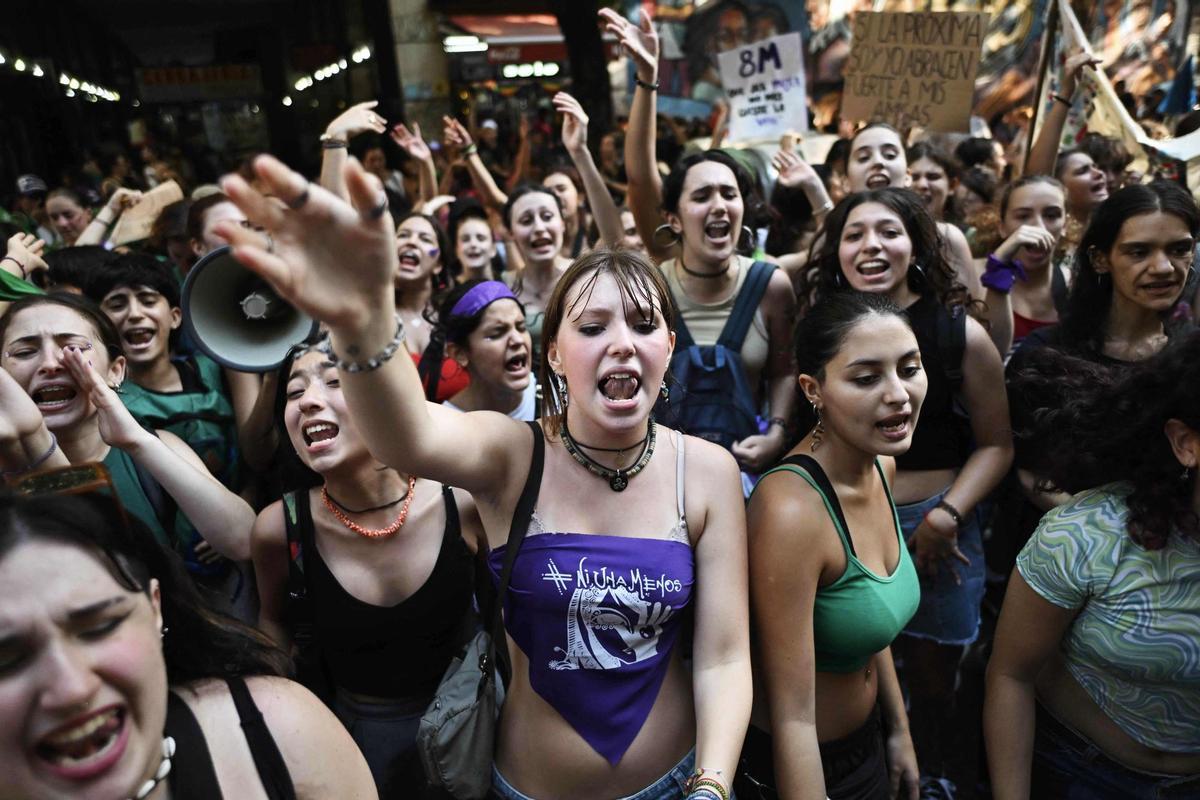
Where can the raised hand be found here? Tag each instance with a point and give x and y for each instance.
(26, 250)
(793, 170)
(358, 118)
(455, 133)
(411, 141)
(575, 122)
(330, 258)
(122, 199)
(1030, 236)
(20, 422)
(1075, 64)
(640, 42)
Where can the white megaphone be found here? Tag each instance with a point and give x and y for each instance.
(236, 318)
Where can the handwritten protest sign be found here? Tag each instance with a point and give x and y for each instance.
(914, 69)
(764, 82)
(137, 221)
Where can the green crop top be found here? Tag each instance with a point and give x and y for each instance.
(860, 613)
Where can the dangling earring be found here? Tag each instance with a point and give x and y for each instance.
(560, 386)
(838, 279)
(919, 271)
(1185, 475)
(665, 392)
(665, 236)
(746, 240)
(818, 432)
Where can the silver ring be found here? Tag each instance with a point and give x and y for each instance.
(379, 210)
(270, 243)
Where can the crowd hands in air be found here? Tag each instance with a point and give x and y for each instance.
(941, 376)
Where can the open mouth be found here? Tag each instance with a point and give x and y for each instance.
(517, 364)
(620, 386)
(718, 231)
(138, 338)
(873, 268)
(1100, 188)
(52, 398)
(894, 427)
(878, 180)
(1161, 287)
(540, 242)
(87, 748)
(315, 432)
(410, 258)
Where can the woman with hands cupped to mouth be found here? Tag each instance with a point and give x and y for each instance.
(606, 344)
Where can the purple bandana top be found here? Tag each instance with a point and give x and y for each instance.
(597, 616)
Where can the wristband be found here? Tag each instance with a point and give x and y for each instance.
(1001, 275)
(376, 361)
(334, 144)
(24, 274)
(470, 149)
(1066, 101)
(780, 421)
(951, 510)
(37, 462)
(650, 86)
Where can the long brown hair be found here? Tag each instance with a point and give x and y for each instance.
(641, 284)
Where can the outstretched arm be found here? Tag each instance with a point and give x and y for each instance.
(97, 230)
(456, 135)
(412, 143)
(356, 119)
(1040, 160)
(307, 266)
(640, 42)
(575, 121)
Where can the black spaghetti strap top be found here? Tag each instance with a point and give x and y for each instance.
(399, 651)
(192, 774)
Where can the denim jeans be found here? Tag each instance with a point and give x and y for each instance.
(949, 609)
(1068, 767)
(668, 787)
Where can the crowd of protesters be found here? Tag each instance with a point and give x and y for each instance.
(750, 458)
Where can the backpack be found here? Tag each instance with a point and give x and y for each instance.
(712, 398)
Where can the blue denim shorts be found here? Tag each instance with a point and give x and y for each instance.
(668, 787)
(1067, 766)
(949, 609)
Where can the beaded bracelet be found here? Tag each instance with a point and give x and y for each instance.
(653, 87)
(951, 510)
(376, 361)
(700, 785)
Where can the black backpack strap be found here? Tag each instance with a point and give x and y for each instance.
(952, 345)
(272, 769)
(516, 535)
(299, 610)
(745, 306)
(814, 470)
(1058, 289)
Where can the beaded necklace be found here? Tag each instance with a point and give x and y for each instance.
(372, 533)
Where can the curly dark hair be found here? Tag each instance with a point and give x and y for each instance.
(672, 188)
(202, 642)
(1108, 426)
(936, 276)
(1085, 321)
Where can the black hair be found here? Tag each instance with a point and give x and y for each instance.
(975, 151)
(1060, 161)
(1025, 180)
(171, 223)
(838, 155)
(77, 303)
(1109, 154)
(935, 277)
(294, 474)
(979, 181)
(875, 124)
(949, 166)
(672, 188)
(1085, 319)
(441, 278)
(133, 270)
(1108, 426)
(197, 211)
(457, 329)
(521, 191)
(75, 266)
(820, 333)
(200, 642)
(460, 212)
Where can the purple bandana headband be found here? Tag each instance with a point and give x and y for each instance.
(481, 296)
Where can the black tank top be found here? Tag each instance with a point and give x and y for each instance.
(942, 439)
(193, 776)
(398, 651)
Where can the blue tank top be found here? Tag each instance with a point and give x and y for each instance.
(597, 616)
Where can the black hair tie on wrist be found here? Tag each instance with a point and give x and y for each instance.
(651, 86)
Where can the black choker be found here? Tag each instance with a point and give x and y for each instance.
(618, 478)
(365, 510)
(709, 275)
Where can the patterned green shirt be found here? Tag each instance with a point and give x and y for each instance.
(1135, 644)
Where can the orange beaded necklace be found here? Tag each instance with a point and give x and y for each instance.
(372, 533)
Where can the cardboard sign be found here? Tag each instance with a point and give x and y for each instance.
(914, 69)
(764, 82)
(137, 221)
